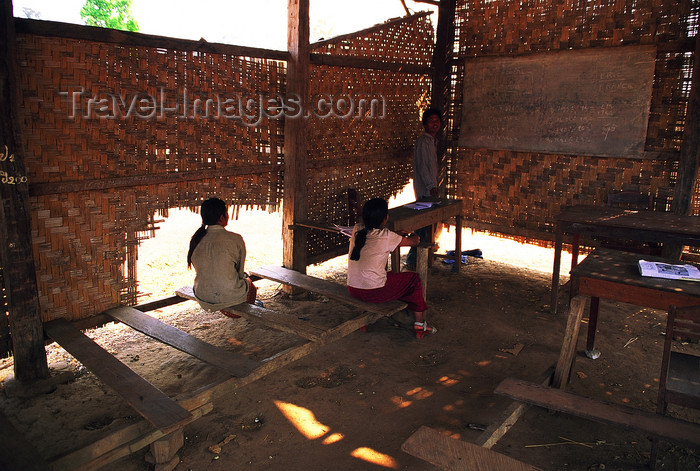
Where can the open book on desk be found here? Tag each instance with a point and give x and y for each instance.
(420, 205)
(667, 270)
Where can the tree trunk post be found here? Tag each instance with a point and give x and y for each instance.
(16, 257)
(294, 206)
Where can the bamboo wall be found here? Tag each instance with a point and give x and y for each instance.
(519, 193)
(102, 173)
(373, 155)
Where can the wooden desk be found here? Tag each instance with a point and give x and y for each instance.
(612, 274)
(622, 224)
(406, 219)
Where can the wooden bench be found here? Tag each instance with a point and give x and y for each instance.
(655, 425)
(154, 405)
(329, 289)
(267, 317)
(235, 364)
(456, 455)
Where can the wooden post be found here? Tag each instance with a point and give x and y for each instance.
(442, 68)
(690, 152)
(690, 147)
(16, 258)
(294, 206)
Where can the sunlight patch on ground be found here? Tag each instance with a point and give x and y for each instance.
(304, 420)
(400, 402)
(419, 393)
(374, 457)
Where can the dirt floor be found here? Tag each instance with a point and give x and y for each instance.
(351, 404)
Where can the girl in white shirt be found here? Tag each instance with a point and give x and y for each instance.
(370, 245)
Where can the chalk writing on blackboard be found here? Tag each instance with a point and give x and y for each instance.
(586, 102)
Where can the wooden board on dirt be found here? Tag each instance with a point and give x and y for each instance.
(149, 401)
(555, 399)
(233, 363)
(451, 454)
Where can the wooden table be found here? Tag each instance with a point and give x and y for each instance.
(621, 224)
(612, 274)
(406, 219)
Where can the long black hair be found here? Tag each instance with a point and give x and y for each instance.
(211, 210)
(374, 213)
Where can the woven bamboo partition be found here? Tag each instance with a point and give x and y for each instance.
(116, 134)
(99, 176)
(371, 151)
(519, 193)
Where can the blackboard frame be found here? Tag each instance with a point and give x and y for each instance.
(576, 102)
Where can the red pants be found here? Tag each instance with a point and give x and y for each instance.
(404, 286)
(252, 292)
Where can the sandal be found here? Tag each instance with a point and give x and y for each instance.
(422, 329)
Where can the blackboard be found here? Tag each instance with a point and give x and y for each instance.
(583, 102)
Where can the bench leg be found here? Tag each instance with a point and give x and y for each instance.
(163, 452)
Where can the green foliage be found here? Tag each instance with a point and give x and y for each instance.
(115, 14)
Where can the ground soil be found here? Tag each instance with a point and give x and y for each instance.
(351, 404)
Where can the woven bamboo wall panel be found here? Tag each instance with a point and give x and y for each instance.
(173, 132)
(524, 190)
(370, 152)
(408, 41)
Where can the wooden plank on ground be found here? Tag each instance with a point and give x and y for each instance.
(149, 401)
(326, 288)
(558, 400)
(451, 454)
(233, 363)
(509, 417)
(16, 452)
(267, 317)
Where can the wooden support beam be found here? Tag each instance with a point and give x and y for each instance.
(128, 38)
(16, 257)
(294, 205)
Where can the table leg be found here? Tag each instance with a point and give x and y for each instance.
(422, 256)
(591, 351)
(567, 356)
(458, 243)
(396, 260)
(574, 250)
(558, 242)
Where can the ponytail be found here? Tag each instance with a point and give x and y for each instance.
(196, 237)
(360, 239)
(374, 213)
